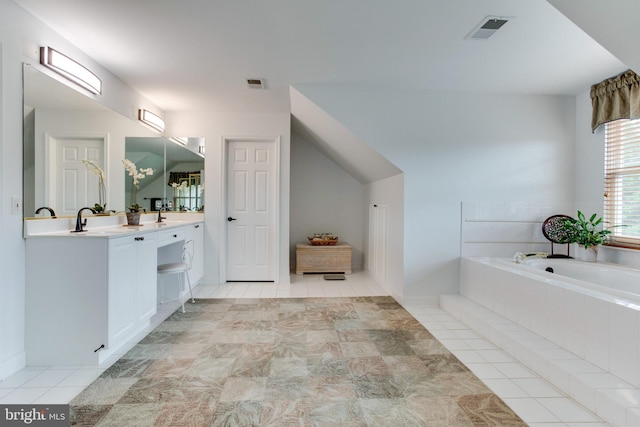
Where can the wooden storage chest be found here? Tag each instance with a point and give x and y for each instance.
(323, 259)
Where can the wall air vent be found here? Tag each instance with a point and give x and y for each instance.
(256, 84)
(487, 27)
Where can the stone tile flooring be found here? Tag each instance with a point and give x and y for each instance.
(535, 400)
(350, 361)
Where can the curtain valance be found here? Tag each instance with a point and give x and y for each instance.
(615, 98)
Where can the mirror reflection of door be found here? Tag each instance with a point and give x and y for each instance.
(251, 205)
(71, 185)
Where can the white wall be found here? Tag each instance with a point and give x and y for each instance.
(589, 152)
(455, 147)
(214, 127)
(12, 289)
(324, 198)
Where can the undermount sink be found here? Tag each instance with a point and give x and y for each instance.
(108, 232)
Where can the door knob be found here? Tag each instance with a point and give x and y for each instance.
(231, 219)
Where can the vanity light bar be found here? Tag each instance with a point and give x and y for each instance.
(151, 119)
(70, 69)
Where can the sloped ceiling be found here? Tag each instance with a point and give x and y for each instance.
(337, 142)
(612, 23)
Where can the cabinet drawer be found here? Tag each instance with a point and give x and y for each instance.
(167, 237)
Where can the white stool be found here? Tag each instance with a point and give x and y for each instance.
(181, 268)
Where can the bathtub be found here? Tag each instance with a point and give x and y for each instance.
(602, 280)
(589, 309)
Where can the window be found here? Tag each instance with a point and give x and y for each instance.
(622, 181)
(187, 193)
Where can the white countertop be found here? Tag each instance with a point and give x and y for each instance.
(106, 226)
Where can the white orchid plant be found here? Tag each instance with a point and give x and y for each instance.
(179, 187)
(101, 206)
(136, 176)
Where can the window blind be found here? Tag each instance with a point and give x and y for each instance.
(622, 181)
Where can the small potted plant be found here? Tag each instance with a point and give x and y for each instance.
(589, 234)
(133, 216)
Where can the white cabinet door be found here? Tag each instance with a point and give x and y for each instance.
(122, 281)
(197, 267)
(132, 284)
(146, 276)
(377, 264)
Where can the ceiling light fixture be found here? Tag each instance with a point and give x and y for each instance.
(70, 69)
(151, 119)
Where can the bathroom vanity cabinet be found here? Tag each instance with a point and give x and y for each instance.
(90, 294)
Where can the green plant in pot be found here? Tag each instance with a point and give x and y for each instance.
(586, 232)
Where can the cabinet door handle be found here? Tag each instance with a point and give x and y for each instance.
(139, 239)
(197, 226)
(175, 235)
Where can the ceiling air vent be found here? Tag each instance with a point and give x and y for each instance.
(487, 27)
(256, 84)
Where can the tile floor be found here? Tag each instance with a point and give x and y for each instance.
(535, 400)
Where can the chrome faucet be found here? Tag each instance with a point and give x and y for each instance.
(79, 223)
(46, 208)
(160, 217)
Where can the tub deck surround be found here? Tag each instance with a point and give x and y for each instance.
(88, 293)
(581, 336)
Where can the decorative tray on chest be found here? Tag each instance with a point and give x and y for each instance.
(325, 239)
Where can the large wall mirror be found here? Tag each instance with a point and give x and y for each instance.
(63, 127)
(181, 186)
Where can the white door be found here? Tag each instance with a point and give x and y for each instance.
(377, 264)
(71, 185)
(251, 210)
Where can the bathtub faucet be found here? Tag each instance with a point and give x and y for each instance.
(519, 257)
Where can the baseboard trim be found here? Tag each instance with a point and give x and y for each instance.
(13, 365)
